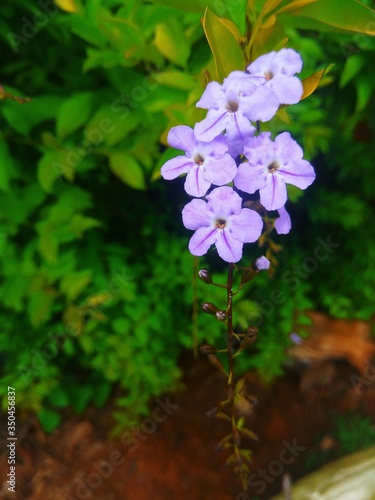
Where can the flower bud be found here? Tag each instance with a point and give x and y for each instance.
(261, 264)
(221, 315)
(209, 308)
(205, 276)
(207, 349)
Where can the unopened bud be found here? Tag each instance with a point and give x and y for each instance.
(261, 264)
(205, 276)
(209, 308)
(207, 349)
(221, 315)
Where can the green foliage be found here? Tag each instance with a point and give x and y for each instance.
(95, 276)
(352, 432)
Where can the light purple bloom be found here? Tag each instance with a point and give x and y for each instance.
(283, 224)
(262, 263)
(272, 165)
(276, 71)
(231, 106)
(222, 222)
(295, 338)
(204, 163)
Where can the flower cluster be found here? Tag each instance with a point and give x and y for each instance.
(224, 149)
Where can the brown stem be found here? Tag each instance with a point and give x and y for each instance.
(230, 326)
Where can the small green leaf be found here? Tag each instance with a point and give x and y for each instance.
(353, 66)
(73, 284)
(39, 307)
(237, 12)
(49, 419)
(127, 169)
(74, 113)
(46, 174)
(6, 163)
(171, 42)
(102, 392)
(223, 43)
(80, 397)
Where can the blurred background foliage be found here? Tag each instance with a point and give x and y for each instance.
(96, 287)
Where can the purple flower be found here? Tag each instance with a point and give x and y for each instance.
(275, 71)
(232, 105)
(283, 224)
(221, 221)
(272, 165)
(295, 338)
(262, 264)
(204, 163)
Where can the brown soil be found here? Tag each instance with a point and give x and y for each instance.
(173, 455)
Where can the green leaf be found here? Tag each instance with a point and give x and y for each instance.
(46, 174)
(49, 419)
(74, 113)
(127, 169)
(23, 117)
(352, 67)
(39, 307)
(102, 58)
(223, 43)
(364, 92)
(73, 284)
(347, 15)
(171, 41)
(237, 12)
(13, 291)
(80, 397)
(102, 392)
(6, 166)
(176, 80)
(57, 165)
(58, 397)
(112, 124)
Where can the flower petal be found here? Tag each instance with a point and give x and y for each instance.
(287, 148)
(299, 173)
(223, 202)
(283, 224)
(274, 194)
(261, 105)
(246, 226)
(229, 248)
(219, 171)
(212, 125)
(215, 148)
(238, 128)
(182, 137)
(196, 214)
(250, 178)
(288, 89)
(201, 240)
(261, 63)
(212, 97)
(176, 166)
(196, 184)
(288, 62)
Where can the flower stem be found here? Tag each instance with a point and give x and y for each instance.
(230, 326)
